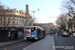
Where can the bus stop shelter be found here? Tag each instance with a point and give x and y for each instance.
(8, 33)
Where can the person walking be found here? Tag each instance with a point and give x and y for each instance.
(50, 33)
(58, 33)
(9, 35)
(16, 35)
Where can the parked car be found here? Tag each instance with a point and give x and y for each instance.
(73, 33)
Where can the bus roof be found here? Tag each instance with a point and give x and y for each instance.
(34, 26)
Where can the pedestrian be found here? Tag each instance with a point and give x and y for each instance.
(50, 33)
(58, 33)
(9, 35)
(16, 35)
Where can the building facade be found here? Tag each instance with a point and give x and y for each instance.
(71, 24)
(13, 17)
(48, 27)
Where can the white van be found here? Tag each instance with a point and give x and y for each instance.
(65, 33)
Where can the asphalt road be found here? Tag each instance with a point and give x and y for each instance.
(46, 43)
(17, 46)
(64, 43)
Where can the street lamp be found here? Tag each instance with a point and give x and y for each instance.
(33, 12)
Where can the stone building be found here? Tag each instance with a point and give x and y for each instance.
(71, 24)
(48, 27)
(13, 17)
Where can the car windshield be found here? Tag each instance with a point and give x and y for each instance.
(66, 31)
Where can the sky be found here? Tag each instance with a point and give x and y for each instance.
(48, 9)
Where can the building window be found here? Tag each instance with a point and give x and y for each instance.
(0, 18)
(8, 21)
(13, 21)
(0, 22)
(13, 18)
(0, 10)
(8, 18)
(4, 18)
(17, 11)
(20, 12)
(4, 21)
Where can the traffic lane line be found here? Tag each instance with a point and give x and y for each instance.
(54, 44)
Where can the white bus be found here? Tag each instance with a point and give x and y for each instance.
(33, 32)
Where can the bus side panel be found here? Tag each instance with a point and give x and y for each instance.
(43, 33)
(36, 32)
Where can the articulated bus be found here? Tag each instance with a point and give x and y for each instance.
(33, 32)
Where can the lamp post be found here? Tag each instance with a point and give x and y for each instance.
(33, 13)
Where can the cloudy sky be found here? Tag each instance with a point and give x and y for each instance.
(48, 9)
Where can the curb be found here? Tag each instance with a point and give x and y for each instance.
(12, 43)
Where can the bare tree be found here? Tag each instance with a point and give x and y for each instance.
(61, 21)
(27, 21)
(34, 20)
(69, 7)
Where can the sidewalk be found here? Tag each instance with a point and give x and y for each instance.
(10, 42)
(46, 43)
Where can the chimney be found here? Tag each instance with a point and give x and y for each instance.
(27, 12)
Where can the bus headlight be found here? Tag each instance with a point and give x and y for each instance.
(36, 38)
(25, 38)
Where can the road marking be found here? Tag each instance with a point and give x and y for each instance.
(53, 44)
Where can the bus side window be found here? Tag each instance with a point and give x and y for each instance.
(37, 31)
